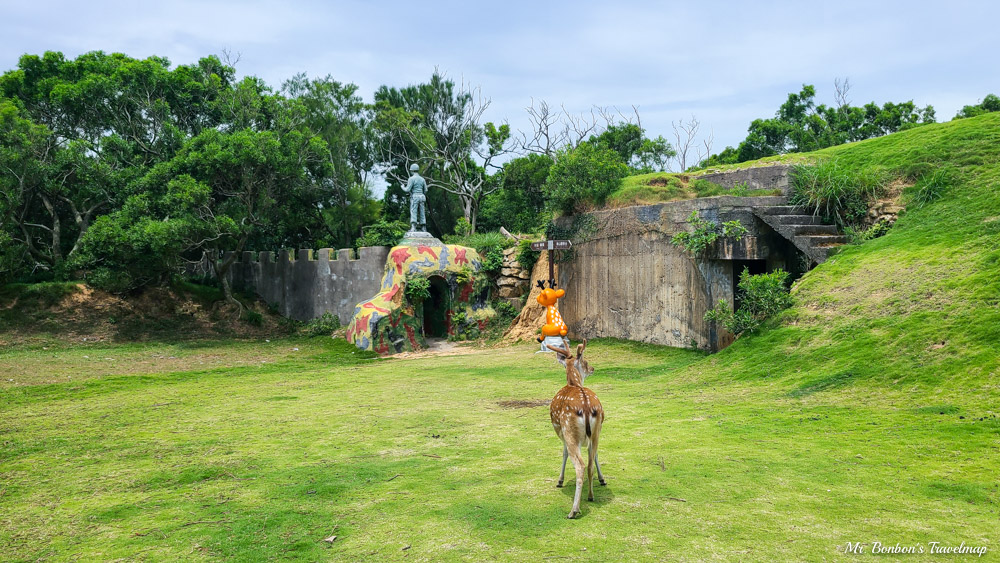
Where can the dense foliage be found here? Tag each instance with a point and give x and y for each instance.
(584, 177)
(122, 170)
(800, 125)
(989, 104)
(759, 297)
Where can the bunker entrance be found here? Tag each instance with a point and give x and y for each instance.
(754, 267)
(436, 309)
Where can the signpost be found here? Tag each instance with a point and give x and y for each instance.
(551, 245)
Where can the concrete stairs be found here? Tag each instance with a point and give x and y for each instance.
(806, 231)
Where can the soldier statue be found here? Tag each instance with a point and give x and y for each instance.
(417, 188)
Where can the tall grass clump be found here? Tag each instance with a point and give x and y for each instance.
(836, 192)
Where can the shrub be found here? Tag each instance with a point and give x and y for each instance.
(859, 235)
(706, 188)
(837, 192)
(761, 297)
(383, 233)
(322, 326)
(418, 288)
(740, 189)
(527, 257)
(706, 233)
(489, 245)
(583, 177)
(253, 318)
(505, 312)
(462, 227)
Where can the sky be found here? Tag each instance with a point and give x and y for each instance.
(725, 63)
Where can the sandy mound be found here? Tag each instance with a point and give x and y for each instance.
(529, 321)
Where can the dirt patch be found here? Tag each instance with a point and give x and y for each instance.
(86, 314)
(524, 403)
(436, 347)
(658, 182)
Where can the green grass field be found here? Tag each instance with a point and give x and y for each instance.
(868, 412)
(454, 458)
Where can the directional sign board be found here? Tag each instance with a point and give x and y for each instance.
(551, 245)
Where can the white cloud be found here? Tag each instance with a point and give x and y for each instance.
(726, 62)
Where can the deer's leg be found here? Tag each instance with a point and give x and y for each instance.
(578, 465)
(600, 476)
(591, 454)
(562, 472)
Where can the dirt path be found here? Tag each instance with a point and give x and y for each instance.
(438, 347)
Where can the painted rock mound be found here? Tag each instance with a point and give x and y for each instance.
(455, 303)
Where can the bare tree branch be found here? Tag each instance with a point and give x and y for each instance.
(685, 135)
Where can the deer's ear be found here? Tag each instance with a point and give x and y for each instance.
(560, 293)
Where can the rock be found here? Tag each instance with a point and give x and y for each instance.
(503, 281)
(508, 272)
(511, 291)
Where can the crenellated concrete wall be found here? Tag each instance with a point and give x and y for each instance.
(628, 280)
(306, 285)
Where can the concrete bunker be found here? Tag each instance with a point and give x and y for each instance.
(626, 278)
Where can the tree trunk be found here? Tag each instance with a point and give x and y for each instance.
(56, 231)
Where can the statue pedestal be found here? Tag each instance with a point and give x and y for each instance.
(556, 341)
(419, 238)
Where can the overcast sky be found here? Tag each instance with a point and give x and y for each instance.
(725, 62)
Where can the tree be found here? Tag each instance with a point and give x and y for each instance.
(248, 183)
(583, 178)
(800, 125)
(553, 130)
(519, 204)
(438, 127)
(334, 112)
(79, 132)
(989, 104)
(686, 135)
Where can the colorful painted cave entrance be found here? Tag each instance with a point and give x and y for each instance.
(455, 306)
(436, 308)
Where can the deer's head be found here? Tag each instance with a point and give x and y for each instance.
(575, 366)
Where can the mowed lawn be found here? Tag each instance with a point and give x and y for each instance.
(258, 451)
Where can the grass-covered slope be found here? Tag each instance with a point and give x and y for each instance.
(660, 187)
(918, 306)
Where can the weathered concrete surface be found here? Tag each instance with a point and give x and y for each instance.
(627, 280)
(305, 286)
(758, 178)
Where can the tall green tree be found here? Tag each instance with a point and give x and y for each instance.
(439, 127)
(226, 189)
(800, 125)
(583, 177)
(336, 113)
(519, 204)
(78, 133)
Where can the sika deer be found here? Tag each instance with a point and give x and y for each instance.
(577, 417)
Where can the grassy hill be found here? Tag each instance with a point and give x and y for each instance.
(918, 306)
(866, 412)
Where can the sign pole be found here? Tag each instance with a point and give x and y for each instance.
(549, 246)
